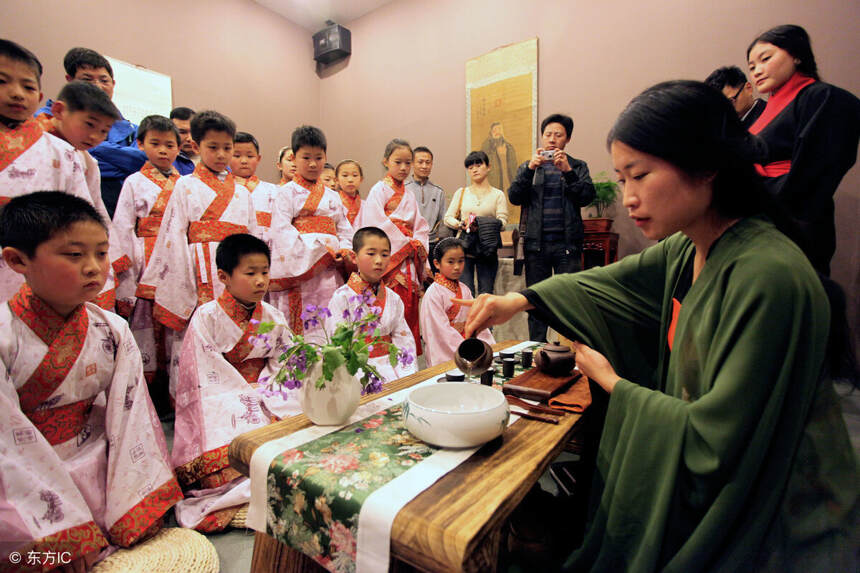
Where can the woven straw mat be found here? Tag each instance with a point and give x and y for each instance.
(171, 550)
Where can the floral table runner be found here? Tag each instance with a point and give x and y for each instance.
(333, 493)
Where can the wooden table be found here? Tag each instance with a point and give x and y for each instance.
(602, 244)
(455, 524)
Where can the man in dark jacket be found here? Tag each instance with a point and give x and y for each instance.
(551, 188)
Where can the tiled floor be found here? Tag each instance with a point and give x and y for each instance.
(236, 547)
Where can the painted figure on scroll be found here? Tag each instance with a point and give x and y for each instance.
(204, 208)
(246, 158)
(396, 212)
(311, 236)
(83, 459)
(30, 158)
(442, 319)
(365, 287)
(216, 396)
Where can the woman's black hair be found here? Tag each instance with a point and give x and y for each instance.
(446, 245)
(794, 40)
(476, 158)
(695, 127)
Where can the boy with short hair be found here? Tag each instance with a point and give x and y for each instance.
(84, 457)
(310, 235)
(118, 156)
(219, 369)
(136, 222)
(204, 208)
(82, 116)
(371, 253)
(246, 158)
(30, 159)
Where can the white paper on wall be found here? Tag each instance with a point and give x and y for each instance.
(140, 92)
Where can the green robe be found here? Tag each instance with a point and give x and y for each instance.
(729, 452)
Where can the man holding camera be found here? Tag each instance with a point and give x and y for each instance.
(551, 187)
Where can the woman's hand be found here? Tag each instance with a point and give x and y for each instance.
(489, 309)
(595, 366)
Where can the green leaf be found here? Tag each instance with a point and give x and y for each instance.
(332, 360)
(392, 355)
(265, 327)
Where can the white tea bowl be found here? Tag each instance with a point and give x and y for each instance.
(456, 415)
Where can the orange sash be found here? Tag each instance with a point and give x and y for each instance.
(15, 141)
(359, 286)
(147, 227)
(250, 183)
(249, 369)
(352, 204)
(306, 222)
(65, 340)
(454, 309)
(210, 228)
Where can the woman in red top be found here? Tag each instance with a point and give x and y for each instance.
(811, 129)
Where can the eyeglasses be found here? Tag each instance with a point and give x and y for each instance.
(734, 98)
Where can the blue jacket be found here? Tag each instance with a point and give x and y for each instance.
(118, 155)
(183, 164)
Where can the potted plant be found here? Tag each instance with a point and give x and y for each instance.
(606, 191)
(327, 373)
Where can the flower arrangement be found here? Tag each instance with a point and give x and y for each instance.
(349, 345)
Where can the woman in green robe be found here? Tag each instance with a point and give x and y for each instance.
(723, 447)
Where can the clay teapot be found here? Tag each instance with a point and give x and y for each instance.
(555, 359)
(473, 356)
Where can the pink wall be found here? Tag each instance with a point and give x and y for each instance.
(406, 76)
(230, 55)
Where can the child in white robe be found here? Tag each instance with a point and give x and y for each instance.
(204, 208)
(136, 222)
(372, 252)
(216, 395)
(246, 158)
(83, 459)
(442, 319)
(30, 159)
(311, 236)
(396, 212)
(349, 176)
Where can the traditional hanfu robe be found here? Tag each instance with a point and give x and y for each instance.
(811, 130)
(33, 160)
(136, 222)
(84, 459)
(309, 228)
(396, 212)
(392, 325)
(217, 399)
(203, 209)
(263, 195)
(723, 447)
(442, 321)
(352, 206)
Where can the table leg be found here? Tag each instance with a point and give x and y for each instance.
(272, 556)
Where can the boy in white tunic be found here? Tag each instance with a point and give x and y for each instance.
(204, 208)
(372, 253)
(216, 396)
(30, 159)
(246, 158)
(83, 460)
(310, 233)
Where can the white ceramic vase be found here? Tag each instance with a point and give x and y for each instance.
(334, 404)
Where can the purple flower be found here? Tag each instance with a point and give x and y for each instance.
(359, 430)
(374, 385)
(324, 312)
(254, 322)
(346, 314)
(405, 357)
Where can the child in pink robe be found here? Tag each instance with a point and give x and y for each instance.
(396, 213)
(246, 158)
(372, 251)
(84, 459)
(442, 320)
(30, 159)
(216, 395)
(311, 236)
